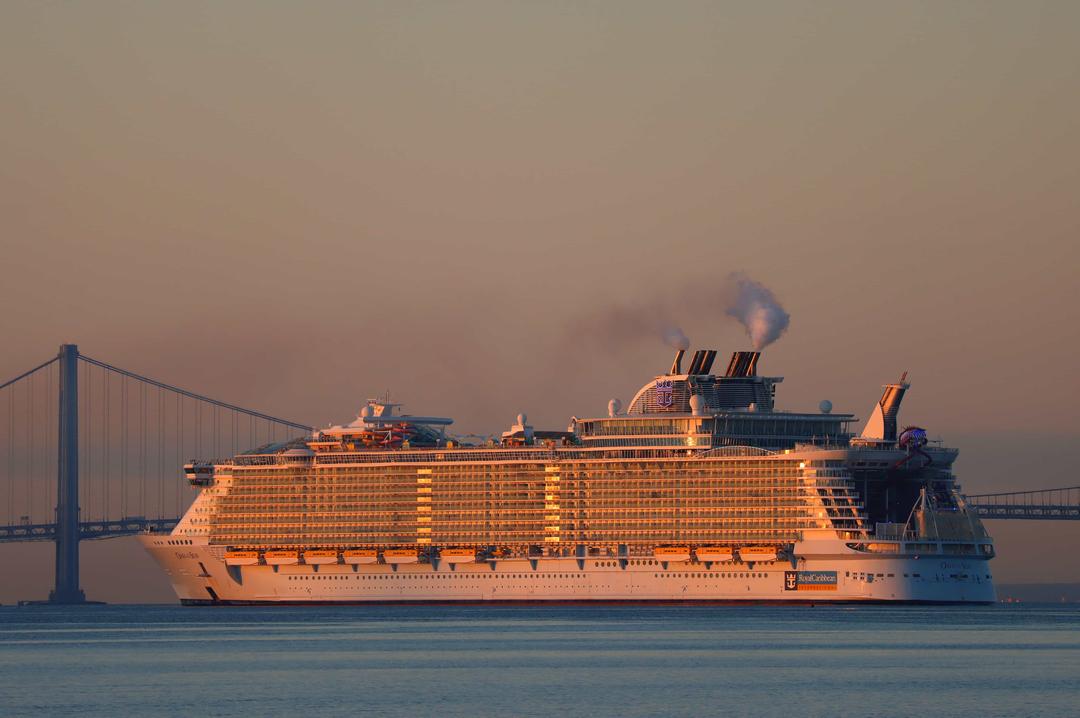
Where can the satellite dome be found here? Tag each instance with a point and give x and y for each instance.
(697, 404)
(521, 419)
(614, 407)
(367, 411)
(825, 406)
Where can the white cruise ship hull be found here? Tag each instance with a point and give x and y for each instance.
(199, 575)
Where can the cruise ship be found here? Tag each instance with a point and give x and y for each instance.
(700, 491)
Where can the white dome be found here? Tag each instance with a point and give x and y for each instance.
(697, 404)
(521, 419)
(614, 407)
(825, 406)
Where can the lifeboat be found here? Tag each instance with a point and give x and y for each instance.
(750, 554)
(320, 557)
(672, 553)
(401, 555)
(241, 558)
(458, 555)
(281, 558)
(361, 555)
(714, 553)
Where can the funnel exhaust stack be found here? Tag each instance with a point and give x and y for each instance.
(882, 422)
(676, 366)
(743, 364)
(706, 364)
(696, 362)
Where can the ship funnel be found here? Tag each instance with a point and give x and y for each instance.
(743, 364)
(676, 366)
(696, 362)
(882, 422)
(706, 365)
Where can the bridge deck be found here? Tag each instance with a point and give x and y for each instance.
(88, 530)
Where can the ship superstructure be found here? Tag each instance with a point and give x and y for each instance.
(700, 491)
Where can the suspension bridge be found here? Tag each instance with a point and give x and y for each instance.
(1043, 504)
(93, 451)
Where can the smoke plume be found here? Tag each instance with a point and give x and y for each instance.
(757, 310)
(736, 296)
(675, 338)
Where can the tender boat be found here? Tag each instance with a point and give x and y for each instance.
(281, 558)
(458, 555)
(241, 558)
(714, 553)
(358, 556)
(749, 554)
(672, 554)
(317, 558)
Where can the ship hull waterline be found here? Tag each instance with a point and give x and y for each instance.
(199, 576)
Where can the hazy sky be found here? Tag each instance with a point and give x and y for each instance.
(294, 206)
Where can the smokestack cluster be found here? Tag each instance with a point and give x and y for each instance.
(702, 361)
(743, 364)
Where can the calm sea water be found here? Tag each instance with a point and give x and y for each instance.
(537, 661)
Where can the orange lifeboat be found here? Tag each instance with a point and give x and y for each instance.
(241, 558)
(672, 554)
(749, 554)
(458, 555)
(281, 558)
(401, 555)
(360, 556)
(317, 558)
(714, 553)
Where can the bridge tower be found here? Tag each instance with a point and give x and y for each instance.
(67, 589)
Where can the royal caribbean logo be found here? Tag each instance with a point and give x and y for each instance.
(809, 580)
(665, 393)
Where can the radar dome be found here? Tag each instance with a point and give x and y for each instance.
(825, 406)
(614, 407)
(521, 419)
(367, 411)
(697, 404)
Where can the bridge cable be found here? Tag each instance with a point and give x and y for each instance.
(197, 397)
(87, 431)
(142, 450)
(123, 446)
(11, 457)
(25, 374)
(107, 449)
(30, 467)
